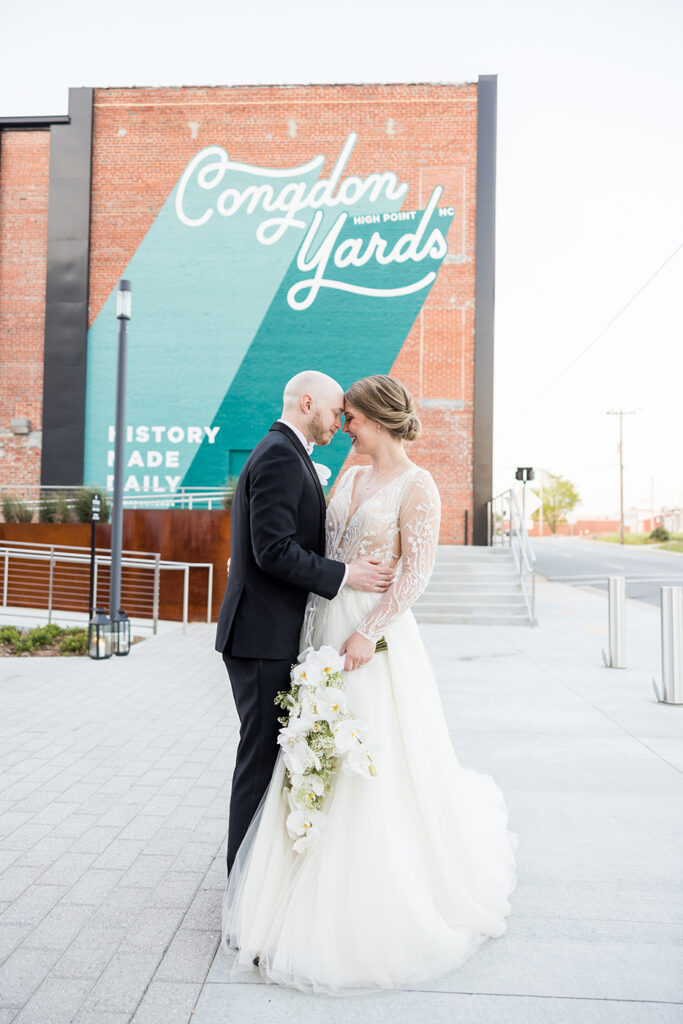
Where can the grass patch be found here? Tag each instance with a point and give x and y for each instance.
(674, 544)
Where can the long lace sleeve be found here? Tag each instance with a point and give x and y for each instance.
(419, 518)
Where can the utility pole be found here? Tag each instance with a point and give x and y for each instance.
(621, 413)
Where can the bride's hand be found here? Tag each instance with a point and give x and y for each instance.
(358, 650)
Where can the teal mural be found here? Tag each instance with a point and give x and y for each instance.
(247, 276)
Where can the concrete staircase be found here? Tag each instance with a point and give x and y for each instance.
(473, 585)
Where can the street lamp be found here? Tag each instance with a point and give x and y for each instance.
(123, 312)
(121, 633)
(99, 635)
(524, 473)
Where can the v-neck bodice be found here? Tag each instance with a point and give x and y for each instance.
(398, 525)
(371, 530)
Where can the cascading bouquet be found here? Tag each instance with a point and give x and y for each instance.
(319, 735)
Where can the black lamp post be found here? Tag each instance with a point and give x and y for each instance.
(123, 311)
(99, 635)
(121, 633)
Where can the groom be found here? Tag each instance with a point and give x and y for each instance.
(277, 547)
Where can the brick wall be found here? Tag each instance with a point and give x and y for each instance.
(24, 174)
(144, 138)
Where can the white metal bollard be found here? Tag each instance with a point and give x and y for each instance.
(617, 623)
(671, 601)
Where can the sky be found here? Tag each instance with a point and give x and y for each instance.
(589, 184)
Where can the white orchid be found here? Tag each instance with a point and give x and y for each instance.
(347, 734)
(330, 703)
(299, 756)
(301, 676)
(298, 728)
(327, 659)
(361, 759)
(300, 822)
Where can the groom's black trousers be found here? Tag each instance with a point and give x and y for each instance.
(255, 682)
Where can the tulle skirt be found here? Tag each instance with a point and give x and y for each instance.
(413, 868)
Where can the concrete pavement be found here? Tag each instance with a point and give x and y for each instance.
(113, 809)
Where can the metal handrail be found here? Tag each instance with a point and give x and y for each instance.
(517, 539)
(183, 497)
(72, 555)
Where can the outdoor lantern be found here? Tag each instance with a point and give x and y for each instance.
(124, 299)
(99, 635)
(121, 633)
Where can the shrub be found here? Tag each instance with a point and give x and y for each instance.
(55, 507)
(15, 511)
(73, 641)
(83, 504)
(47, 509)
(9, 635)
(660, 533)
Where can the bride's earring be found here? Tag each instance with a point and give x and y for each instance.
(378, 428)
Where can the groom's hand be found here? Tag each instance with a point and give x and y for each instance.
(358, 650)
(369, 574)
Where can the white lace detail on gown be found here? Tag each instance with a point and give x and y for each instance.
(399, 525)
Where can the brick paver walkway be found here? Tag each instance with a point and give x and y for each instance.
(113, 813)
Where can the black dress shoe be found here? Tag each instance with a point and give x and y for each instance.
(256, 961)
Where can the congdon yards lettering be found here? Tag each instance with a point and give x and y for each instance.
(320, 250)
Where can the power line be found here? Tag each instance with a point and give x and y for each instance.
(603, 331)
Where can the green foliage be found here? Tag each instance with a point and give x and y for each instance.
(47, 509)
(71, 640)
(83, 504)
(14, 510)
(559, 497)
(9, 635)
(228, 497)
(55, 508)
(660, 533)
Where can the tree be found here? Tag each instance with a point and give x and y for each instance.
(559, 497)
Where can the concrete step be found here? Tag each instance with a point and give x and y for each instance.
(453, 600)
(483, 572)
(471, 620)
(471, 607)
(456, 551)
(474, 587)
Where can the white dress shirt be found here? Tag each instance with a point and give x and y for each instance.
(309, 446)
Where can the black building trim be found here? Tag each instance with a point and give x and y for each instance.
(66, 299)
(484, 304)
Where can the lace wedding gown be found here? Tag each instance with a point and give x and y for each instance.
(413, 869)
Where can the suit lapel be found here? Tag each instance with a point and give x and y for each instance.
(291, 436)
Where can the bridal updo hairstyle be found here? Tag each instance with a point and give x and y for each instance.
(385, 400)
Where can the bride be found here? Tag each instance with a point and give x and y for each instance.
(413, 869)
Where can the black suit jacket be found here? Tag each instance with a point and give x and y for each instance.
(277, 544)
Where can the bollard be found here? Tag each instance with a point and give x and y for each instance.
(671, 600)
(617, 623)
